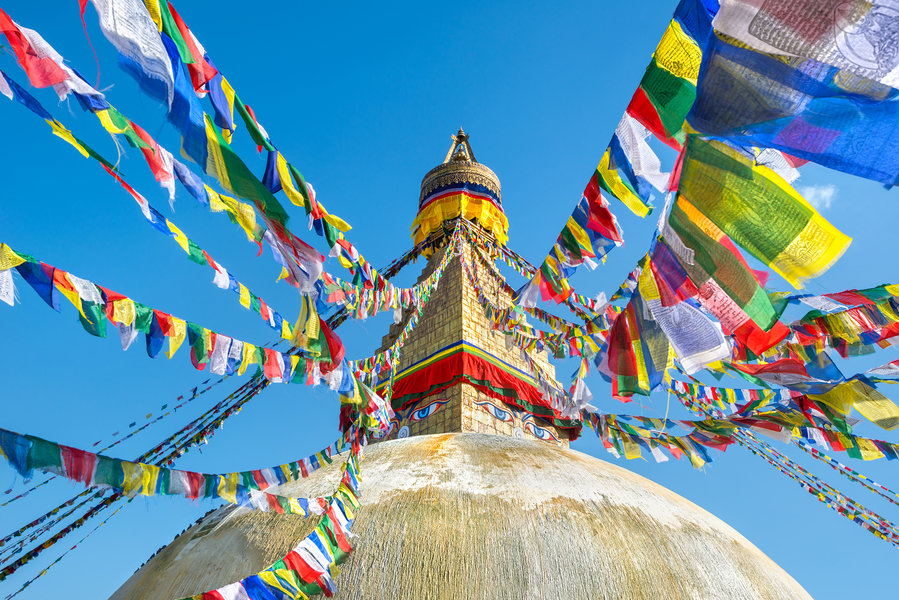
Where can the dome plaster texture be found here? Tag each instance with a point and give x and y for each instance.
(467, 515)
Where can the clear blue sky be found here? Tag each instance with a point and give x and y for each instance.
(363, 99)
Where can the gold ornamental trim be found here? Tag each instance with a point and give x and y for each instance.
(459, 172)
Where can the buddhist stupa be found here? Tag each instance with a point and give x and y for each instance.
(476, 494)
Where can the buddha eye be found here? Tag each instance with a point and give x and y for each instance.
(427, 410)
(540, 433)
(503, 415)
(400, 415)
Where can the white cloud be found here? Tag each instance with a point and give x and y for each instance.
(819, 196)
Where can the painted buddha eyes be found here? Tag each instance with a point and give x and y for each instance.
(540, 433)
(426, 411)
(503, 415)
(506, 416)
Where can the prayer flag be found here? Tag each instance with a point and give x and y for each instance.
(759, 211)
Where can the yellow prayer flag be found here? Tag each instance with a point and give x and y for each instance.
(678, 53)
(63, 133)
(246, 218)
(155, 14)
(292, 193)
(868, 450)
(286, 332)
(215, 202)
(123, 311)
(345, 262)
(279, 578)
(9, 258)
(295, 507)
(179, 332)
(107, 123)
(647, 283)
(132, 481)
(248, 357)
(337, 222)
(244, 295)
(215, 161)
(631, 448)
(873, 405)
(877, 408)
(149, 477)
(241, 212)
(179, 236)
(227, 487)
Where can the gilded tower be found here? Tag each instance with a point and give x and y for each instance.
(456, 373)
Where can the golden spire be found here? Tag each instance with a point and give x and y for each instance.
(460, 150)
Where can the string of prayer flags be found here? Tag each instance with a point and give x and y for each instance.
(825, 493)
(132, 429)
(222, 279)
(590, 233)
(197, 432)
(206, 141)
(273, 366)
(584, 307)
(800, 106)
(204, 145)
(879, 489)
(852, 331)
(222, 353)
(27, 453)
(629, 169)
(389, 358)
(568, 342)
(309, 568)
(817, 418)
(160, 160)
(509, 316)
(840, 301)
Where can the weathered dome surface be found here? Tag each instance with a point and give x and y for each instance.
(484, 516)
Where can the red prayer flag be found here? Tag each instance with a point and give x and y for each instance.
(42, 72)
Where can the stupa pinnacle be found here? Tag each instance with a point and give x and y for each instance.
(460, 187)
(454, 362)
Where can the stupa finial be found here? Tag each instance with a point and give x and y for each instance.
(460, 149)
